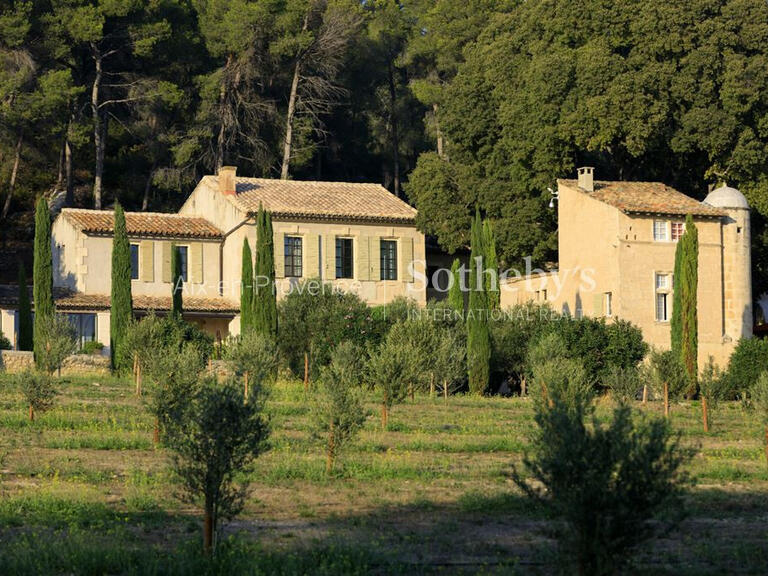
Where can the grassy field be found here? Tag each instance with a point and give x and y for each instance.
(84, 491)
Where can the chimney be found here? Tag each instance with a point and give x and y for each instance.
(586, 178)
(227, 178)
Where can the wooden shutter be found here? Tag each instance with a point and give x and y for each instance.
(597, 304)
(330, 257)
(375, 258)
(311, 252)
(166, 249)
(147, 261)
(196, 263)
(363, 258)
(279, 255)
(406, 258)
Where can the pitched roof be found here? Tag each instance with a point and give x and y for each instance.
(646, 198)
(287, 199)
(68, 300)
(143, 224)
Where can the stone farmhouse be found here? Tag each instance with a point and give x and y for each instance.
(356, 237)
(616, 243)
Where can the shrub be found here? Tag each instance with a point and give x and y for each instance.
(38, 390)
(92, 347)
(387, 315)
(666, 369)
(5, 344)
(214, 438)
(511, 337)
(337, 410)
(624, 383)
(606, 481)
(254, 354)
(748, 361)
(711, 385)
(55, 339)
(315, 318)
(759, 394)
(447, 361)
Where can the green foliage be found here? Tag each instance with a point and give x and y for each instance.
(511, 336)
(664, 367)
(92, 347)
(38, 389)
(55, 339)
(25, 329)
(556, 376)
(265, 298)
(337, 405)
(748, 361)
(43, 274)
(478, 333)
(759, 394)
(608, 482)
(177, 283)
(5, 344)
(624, 383)
(255, 354)
(315, 318)
(121, 305)
(387, 315)
(685, 318)
(246, 289)
(214, 438)
(626, 347)
(492, 287)
(455, 293)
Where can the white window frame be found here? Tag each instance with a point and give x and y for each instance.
(665, 226)
(608, 304)
(664, 291)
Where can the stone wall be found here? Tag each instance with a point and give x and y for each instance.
(15, 361)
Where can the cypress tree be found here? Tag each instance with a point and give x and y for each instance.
(25, 341)
(689, 323)
(121, 308)
(42, 274)
(455, 294)
(265, 303)
(478, 332)
(675, 323)
(178, 283)
(246, 289)
(491, 263)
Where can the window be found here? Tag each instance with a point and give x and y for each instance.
(660, 231)
(84, 325)
(608, 304)
(677, 230)
(182, 253)
(293, 257)
(388, 259)
(663, 297)
(343, 257)
(134, 261)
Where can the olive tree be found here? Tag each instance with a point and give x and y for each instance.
(38, 390)
(55, 339)
(214, 438)
(253, 358)
(760, 403)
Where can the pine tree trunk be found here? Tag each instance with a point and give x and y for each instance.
(14, 174)
(208, 522)
(666, 400)
(292, 110)
(222, 104)
(60, 172)
(393, 129)
(98, 127)
(438, 131)
(306, 371)
(148, 189)
(69, 198)
(705, 413)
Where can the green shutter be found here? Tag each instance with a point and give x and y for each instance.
(166, 249)
(196, 263)
(597, 304)
(406, 258)
(375, 258)
(363, 258)
(147, 261)
(279, 255)
(311, 264)
(330, 257)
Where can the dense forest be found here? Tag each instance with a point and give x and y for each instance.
(451, 104)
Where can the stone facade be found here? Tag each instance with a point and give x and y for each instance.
(13, 361)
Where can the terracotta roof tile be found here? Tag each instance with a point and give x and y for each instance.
(67, 300)
(326, 200)
(143, 224)
(646, 197)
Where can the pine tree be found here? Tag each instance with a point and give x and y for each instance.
(478, 332)
(121, 309)
(246, 290)
(25, 341)
(689, 323)
(178, 283)
(265, 304)
(455, 293)
(42, 280)
(491, 263)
